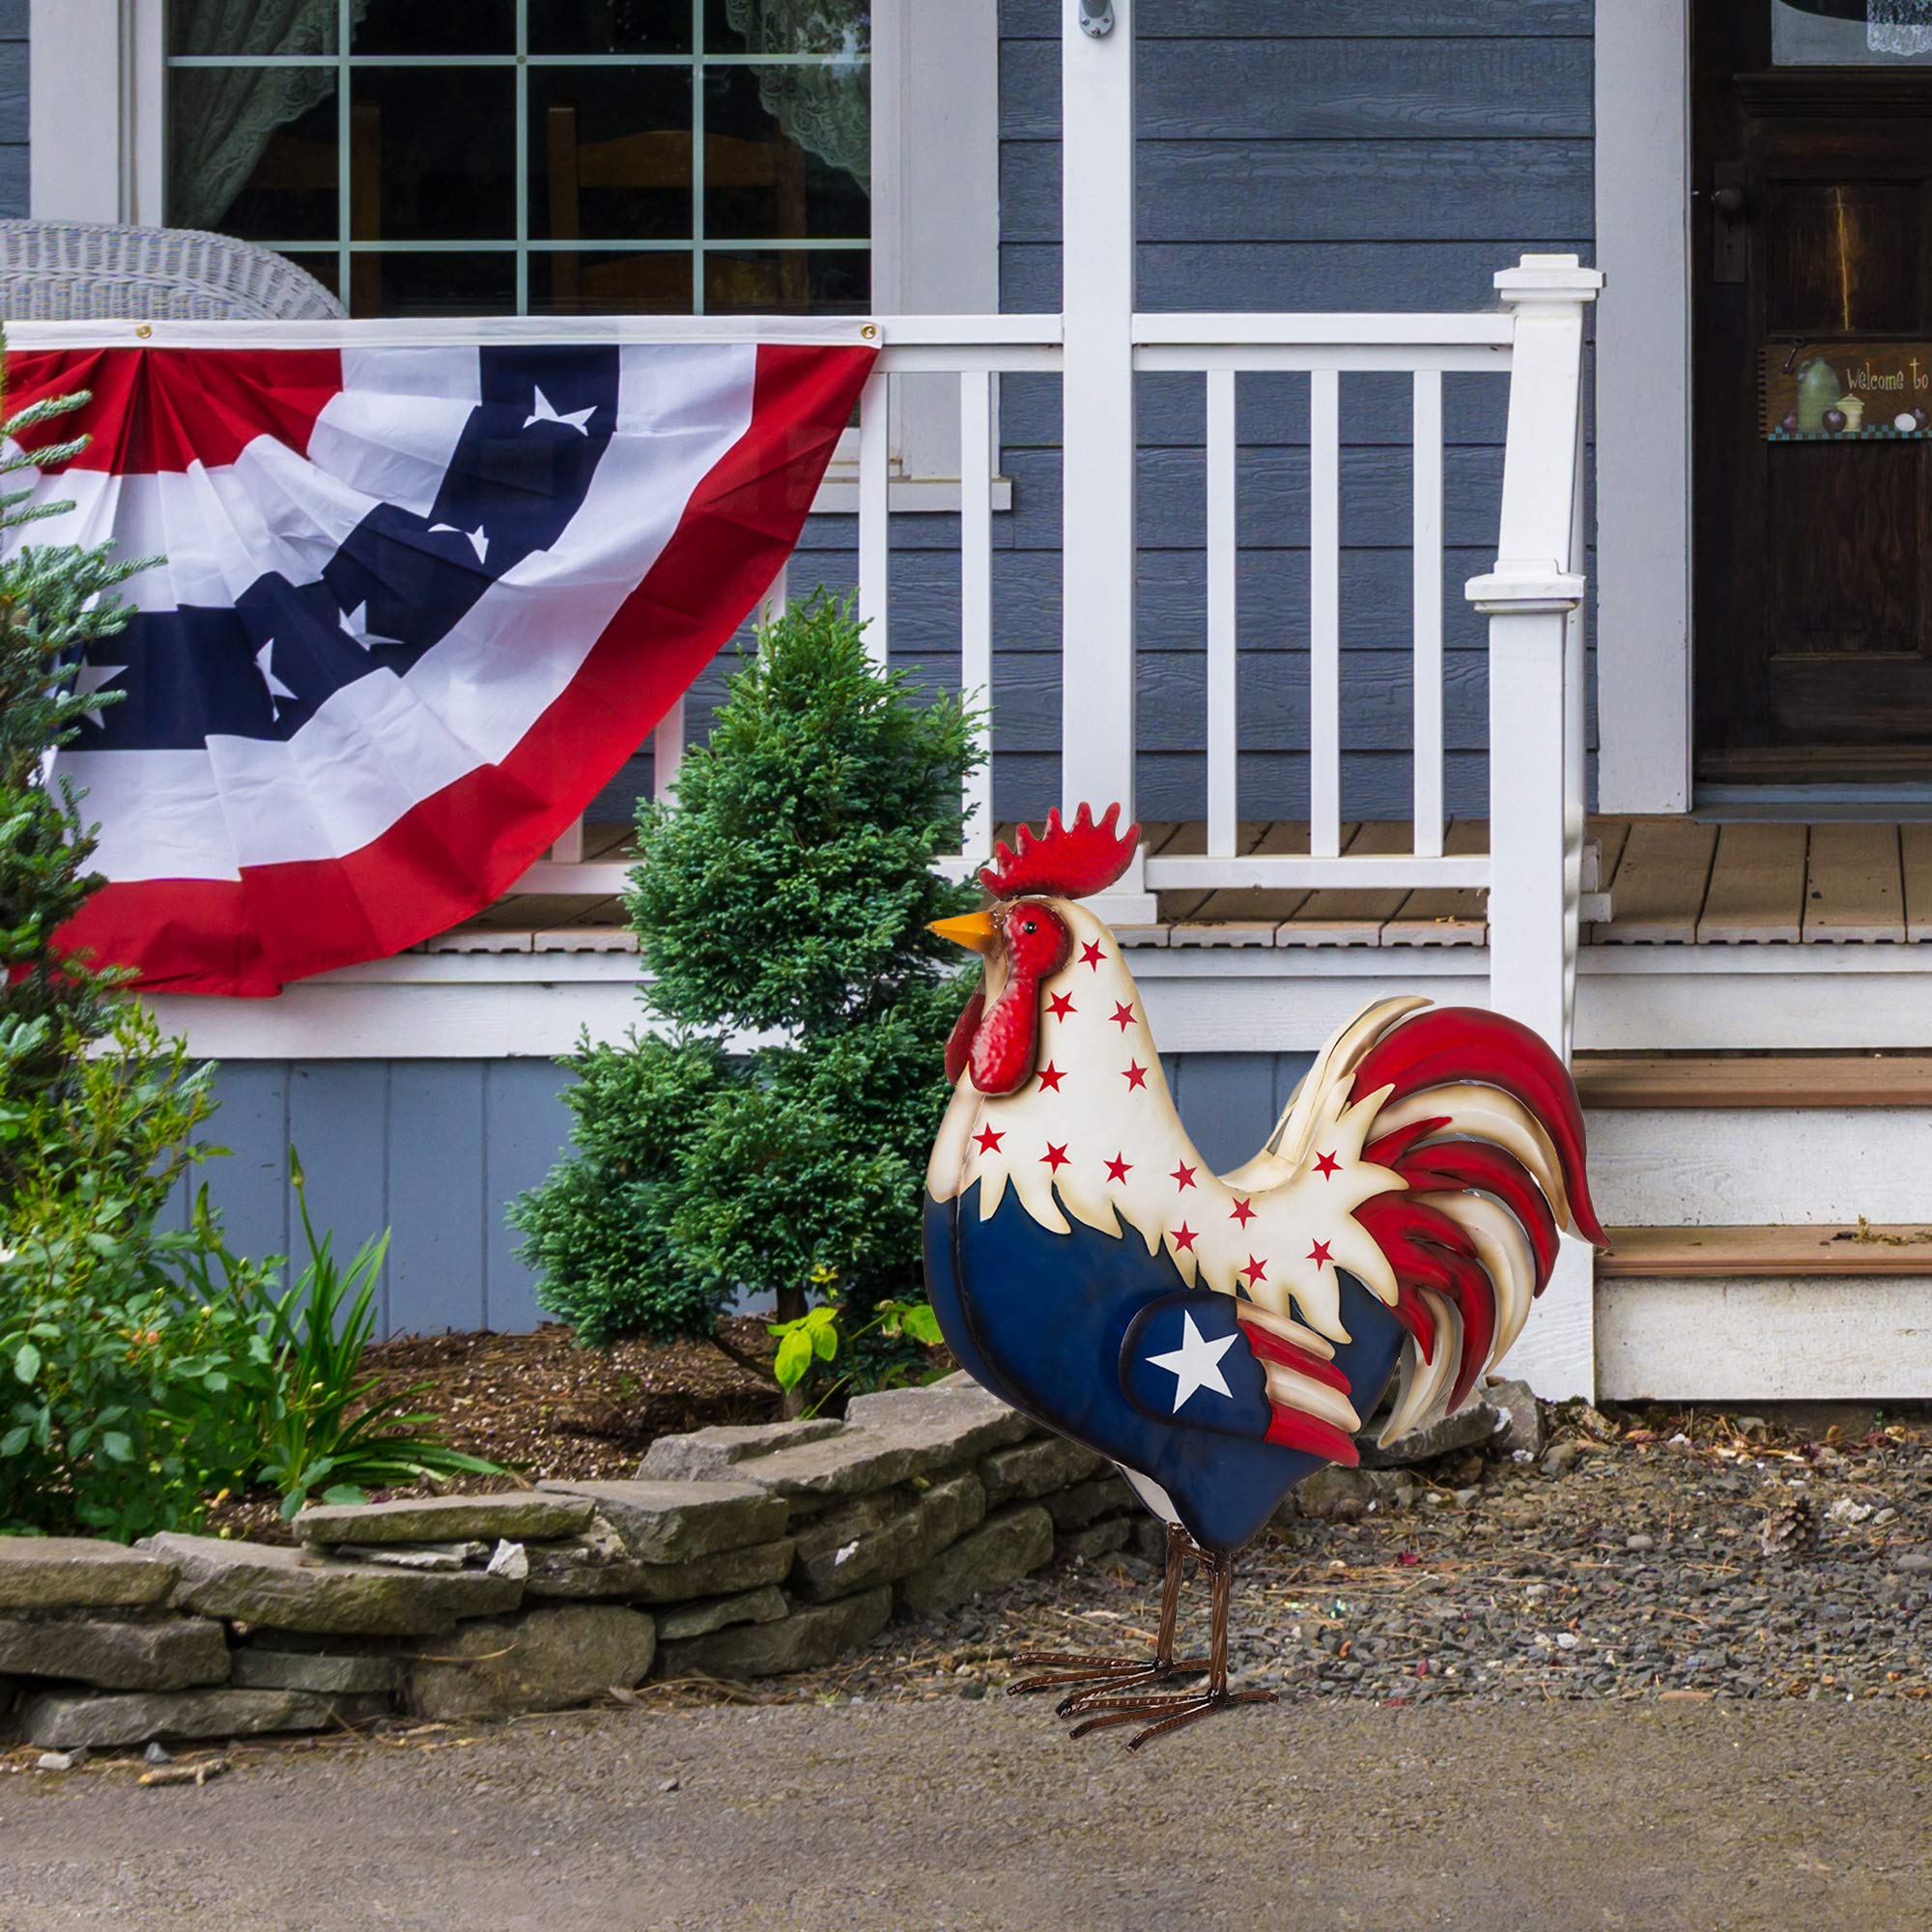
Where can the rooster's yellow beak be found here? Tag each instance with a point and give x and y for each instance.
(976, 931)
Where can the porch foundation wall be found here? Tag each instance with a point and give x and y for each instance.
(435, 1151)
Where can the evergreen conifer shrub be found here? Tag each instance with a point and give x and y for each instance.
(785, 895)
(123, 1384)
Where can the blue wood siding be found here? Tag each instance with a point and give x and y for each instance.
(12, 108)
(1328, 155)
(435, 1151)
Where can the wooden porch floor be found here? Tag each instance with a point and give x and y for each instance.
(1671, 882)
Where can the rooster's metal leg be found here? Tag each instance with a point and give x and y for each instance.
(1175, 1711)
(1100, 1676)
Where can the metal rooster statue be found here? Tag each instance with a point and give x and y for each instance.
(1220, 1337)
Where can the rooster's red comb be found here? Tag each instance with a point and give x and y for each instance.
(1069, 861)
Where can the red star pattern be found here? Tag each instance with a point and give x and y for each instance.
(1254, 1271)
(1091, 954)
(1054, 1158)
(1183, 1236)
(1059, 1005)
(1326, 1164)
(1050, 1077)
(1119, 1168)
(1319, 1253)
(989, 1139)
(1134, 1073)
(1242, 1213)
(1182, 1176)
(1123, 1018)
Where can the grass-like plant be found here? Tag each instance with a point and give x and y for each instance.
(331, 1434)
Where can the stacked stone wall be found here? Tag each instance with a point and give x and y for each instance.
(733, 1552)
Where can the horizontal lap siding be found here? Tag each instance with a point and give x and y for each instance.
(12, 108)
(435, 1150)
(1328, 155)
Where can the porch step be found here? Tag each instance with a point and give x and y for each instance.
(1748, 1253)
(1771, 1313)
(1754, 1080)
(1694, 1140)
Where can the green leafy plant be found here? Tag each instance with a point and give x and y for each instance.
(128, 1382)
(818, 1334)
(784, 898)
(329, 1428)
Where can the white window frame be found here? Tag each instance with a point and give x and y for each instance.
(98, 64)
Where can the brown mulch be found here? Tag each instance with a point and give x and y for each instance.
(544, 1406)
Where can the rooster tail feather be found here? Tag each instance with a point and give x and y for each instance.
(1333, 1067)
(1480, 1122)
(1456, 1044)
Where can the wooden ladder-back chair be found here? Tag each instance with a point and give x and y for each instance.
(311, 167)
(663, 156)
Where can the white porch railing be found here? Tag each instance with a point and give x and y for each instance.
(1533, 597)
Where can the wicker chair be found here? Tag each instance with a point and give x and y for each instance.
(89, 270)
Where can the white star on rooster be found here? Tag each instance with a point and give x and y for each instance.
(265, 663)
(355, 623)
(1196, 1364)
(88, 678)
(478, 541)
(547, 412)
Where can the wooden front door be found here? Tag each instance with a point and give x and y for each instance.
(1812, 238)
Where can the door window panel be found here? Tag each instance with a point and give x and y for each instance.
(1851, 33)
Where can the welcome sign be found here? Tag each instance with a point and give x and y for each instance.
(1846, 391)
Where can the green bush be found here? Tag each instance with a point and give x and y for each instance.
(786, 893)
(130, 1387)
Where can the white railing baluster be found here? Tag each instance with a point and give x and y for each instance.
(1428, 601)
(1224, 753)
(975, 589)
(668, 749)
(1532, 600)
(568, 850)
(1324, 614)
(875, 512)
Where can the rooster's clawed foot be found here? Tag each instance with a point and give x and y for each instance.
(1169, 1714)
(1102, 1704)
(1091, 1677)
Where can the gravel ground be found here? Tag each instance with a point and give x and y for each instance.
(1641, 1556)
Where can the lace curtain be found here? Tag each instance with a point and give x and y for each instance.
(1898, 26)
(223, 117)
(827, 110)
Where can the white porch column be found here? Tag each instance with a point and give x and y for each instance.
(1098, 518)
(1532, 600)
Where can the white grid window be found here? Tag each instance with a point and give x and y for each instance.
(534, 157)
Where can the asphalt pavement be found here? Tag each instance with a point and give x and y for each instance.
(966, 1816)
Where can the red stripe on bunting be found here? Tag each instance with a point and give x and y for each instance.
(286, 922)
(153, 410)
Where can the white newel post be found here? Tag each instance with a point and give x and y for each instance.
(1097, 487)
(1532, 600)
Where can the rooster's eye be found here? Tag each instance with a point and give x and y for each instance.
(1029, 926)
